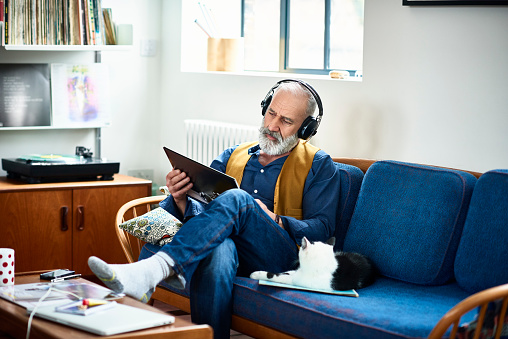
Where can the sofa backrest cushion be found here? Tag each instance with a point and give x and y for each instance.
(408, 219)
(350, 181)
(482, 256)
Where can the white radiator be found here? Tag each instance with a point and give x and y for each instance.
(206, 139)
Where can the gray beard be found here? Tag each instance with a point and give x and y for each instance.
(276, 147)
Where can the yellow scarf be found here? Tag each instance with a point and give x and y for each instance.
(288, 194)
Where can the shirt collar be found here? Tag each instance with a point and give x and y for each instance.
(254, 150)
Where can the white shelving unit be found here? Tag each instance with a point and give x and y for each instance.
(26, 128)
(97, 49)
(67, 48)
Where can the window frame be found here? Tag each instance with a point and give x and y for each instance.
(284, 36)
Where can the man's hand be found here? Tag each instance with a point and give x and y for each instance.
(178, 185)
(270, 213)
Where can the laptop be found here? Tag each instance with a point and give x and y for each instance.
(208, 183)
(119, 319)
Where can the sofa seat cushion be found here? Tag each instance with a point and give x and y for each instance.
(409, 218)
(386, 309)
(482, 256)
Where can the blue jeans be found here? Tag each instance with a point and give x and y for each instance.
(232, 236)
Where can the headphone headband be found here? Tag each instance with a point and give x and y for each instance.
(310, 124)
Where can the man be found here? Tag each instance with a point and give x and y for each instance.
(289, 189)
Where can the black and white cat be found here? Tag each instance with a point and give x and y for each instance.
(320, 267)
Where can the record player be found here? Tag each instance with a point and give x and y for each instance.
(38, 168)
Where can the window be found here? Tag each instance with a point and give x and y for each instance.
(303, 36)
(293, 36)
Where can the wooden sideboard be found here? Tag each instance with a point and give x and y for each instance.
(59, 225)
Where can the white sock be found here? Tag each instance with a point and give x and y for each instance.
(137, 280)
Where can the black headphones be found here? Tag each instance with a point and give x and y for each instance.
(310, 124)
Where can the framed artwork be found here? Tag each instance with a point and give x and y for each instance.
(454, 2)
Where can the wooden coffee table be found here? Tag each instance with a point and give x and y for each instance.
(14, 322)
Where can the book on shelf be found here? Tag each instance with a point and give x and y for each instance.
(64, 24)
(53, 22)
(1, 10)
(98, 22)
(75, 23)
(80, 95)
(4, 21)
(109, 27)
(2, 24)
(25, 95)
(84, 22)
(91, 21)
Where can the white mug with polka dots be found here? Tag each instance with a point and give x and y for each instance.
(6, 267)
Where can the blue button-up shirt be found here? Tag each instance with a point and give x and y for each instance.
(320, 194)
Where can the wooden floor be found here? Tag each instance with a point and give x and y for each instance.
(178, 313)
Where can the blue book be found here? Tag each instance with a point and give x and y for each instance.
(348, 293)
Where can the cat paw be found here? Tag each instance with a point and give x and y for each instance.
(258, 275)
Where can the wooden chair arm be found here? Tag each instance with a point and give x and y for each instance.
(125, 241)
(482, 298)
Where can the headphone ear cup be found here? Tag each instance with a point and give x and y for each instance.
(265, 104)
(308, 128)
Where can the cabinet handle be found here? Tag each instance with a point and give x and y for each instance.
(81, 218)
(64, 210)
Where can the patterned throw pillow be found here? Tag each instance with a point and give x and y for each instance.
(156, 227)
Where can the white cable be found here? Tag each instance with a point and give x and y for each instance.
(39, 303)
(67, 292)
(35, 309)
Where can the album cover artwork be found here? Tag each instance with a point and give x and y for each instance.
(80, 95)
(24, 95)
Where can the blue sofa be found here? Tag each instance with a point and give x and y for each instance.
(436, 236)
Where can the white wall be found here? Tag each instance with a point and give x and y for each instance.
(434, 91)
(133, 139)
